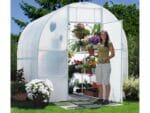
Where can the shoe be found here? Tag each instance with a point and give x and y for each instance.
(105, 102)
(98, 101)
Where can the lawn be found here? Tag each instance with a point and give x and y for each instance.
(27, 107)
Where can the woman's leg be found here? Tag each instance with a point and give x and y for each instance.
(107, 87)
(106, 72)
(100, 91)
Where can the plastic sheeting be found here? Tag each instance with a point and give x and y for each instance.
(42, 48)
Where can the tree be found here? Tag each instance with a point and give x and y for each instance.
(45, 7)
(14, 43)
(130, 16)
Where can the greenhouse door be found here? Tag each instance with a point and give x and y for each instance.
(114, 30)
(79, 81)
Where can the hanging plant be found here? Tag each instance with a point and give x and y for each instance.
(80, 31)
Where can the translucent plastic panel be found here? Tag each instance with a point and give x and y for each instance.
(60, 92)
(52, 63)
(54, 35)
(98, 15)
(108, 16)
(115, 33)
(27, 68)
(80, 14)
(28, 47)
(29, 40)
(116, 77)
(72, 14)
(24, 46)
(125, 64)
(124, 42)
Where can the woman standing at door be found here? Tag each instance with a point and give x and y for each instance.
(103, 68)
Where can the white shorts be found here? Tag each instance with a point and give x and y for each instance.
(103, 73)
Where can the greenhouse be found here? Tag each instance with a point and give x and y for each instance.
(45, 43)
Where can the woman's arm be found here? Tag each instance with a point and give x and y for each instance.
(112, 53)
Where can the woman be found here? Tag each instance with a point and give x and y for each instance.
(103, 67)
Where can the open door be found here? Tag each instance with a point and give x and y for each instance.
(114, 30)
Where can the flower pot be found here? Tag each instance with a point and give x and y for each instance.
(20, 96)
(88, 71)
(91, 51)
(91, 92)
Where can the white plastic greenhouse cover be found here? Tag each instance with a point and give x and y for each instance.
(42, 47)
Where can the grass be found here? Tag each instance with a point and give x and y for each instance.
(28, 107)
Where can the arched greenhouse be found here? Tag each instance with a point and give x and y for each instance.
(43, 47)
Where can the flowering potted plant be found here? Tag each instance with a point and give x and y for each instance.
(39, 91)
(90, 64)
(93, 41)
(90, 49)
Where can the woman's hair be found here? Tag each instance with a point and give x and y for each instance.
(107, 38)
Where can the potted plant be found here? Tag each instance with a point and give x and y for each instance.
(80, 31)
(90, 64)
(39, 91)
(90, 49)
(92, 44)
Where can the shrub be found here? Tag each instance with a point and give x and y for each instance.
(39, 90)
(18, 86)
(131, 89)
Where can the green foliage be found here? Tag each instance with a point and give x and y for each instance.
(80, 31)
(14, 44)
(133, 55)
(131, 89)
(96, 29)
(90, 46)
(44, 7)
(130, 16)
(18, 86)
(19, 22)
(32, 12)
(74, 46)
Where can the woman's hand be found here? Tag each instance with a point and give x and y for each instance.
(106, 59)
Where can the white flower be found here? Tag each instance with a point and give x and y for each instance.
(34, 90)
(45, 100)
(30, 96)
(37, 86)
